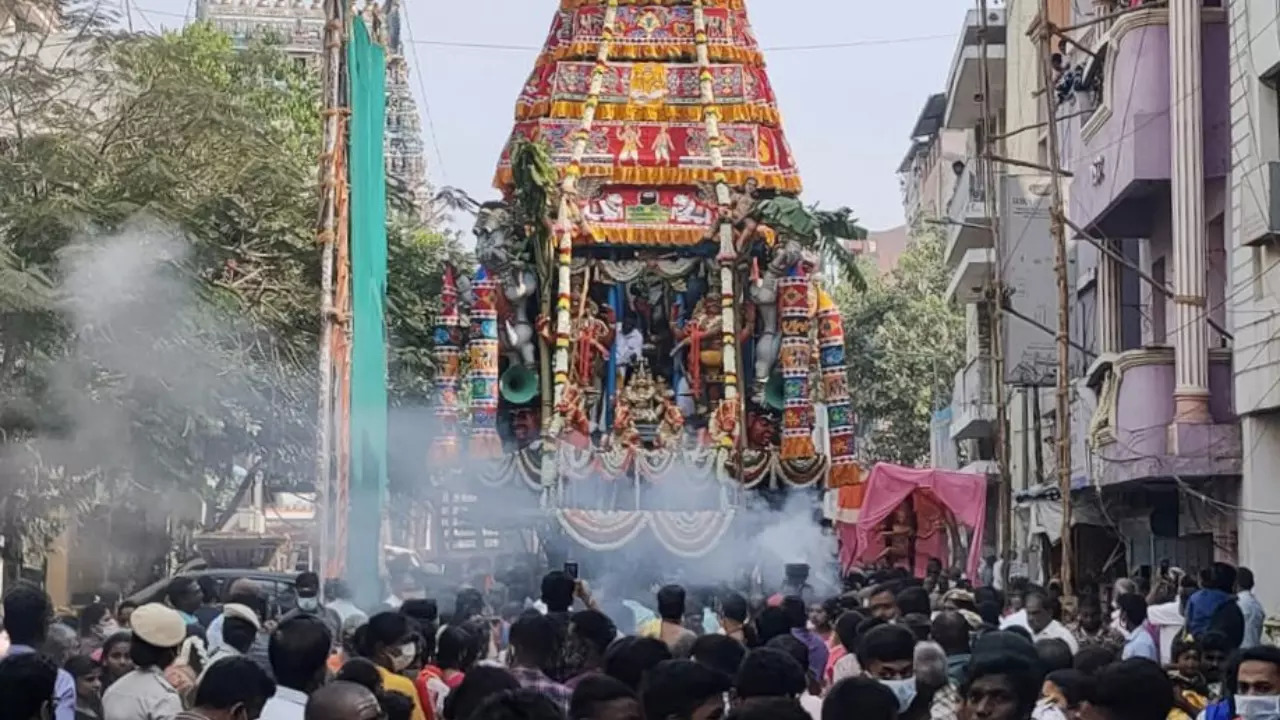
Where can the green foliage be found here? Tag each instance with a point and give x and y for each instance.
(209, 155)
(904, 343)
(820, 230)
(416, 261)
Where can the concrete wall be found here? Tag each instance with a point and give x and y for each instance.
(1254, 269)
(1124, 148)
(1022, 77)
(1255, 280)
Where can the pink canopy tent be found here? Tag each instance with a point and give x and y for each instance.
(934, 493)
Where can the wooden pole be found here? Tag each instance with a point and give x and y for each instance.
(996, 300)
(331, 118)
(1062, 410)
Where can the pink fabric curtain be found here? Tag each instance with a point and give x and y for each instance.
(963, 494)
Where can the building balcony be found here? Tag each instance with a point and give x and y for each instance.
(964, 85)
(972, 276)
(973, 409)
(1133, 433)
(967, 215)
(1121, 157)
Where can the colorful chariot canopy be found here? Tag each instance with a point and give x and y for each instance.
(620, 96)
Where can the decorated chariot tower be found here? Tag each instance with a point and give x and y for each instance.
(648, 338)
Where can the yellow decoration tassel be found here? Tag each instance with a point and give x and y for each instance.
(794, 448)
(659, 51)
(789, 182)
(738, 113)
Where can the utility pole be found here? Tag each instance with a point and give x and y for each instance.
(1062, 411)
(995, 299)
(331, 117)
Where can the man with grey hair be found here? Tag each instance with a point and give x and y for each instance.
(1122, 586)
(930, 665)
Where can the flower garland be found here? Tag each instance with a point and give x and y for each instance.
(686, 534)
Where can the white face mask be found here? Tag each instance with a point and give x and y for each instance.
(404, 656)
(308, 604)
(1258, 707)
(904, 690)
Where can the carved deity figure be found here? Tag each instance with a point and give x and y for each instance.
(518, 286)
(647, 401)
(570, 421)
(764, 295)
(706, 345)
(899, 534)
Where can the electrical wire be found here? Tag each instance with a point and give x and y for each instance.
(513, 47)
(422, 90)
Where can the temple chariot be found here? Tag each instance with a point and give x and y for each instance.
(647, 340)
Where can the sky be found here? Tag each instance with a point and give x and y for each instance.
(848, 105)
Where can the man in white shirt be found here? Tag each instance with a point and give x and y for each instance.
(1035, 617)
(299, 649)
(1140, 636)
(1254, 616)
(1168, 621)
(630, 344)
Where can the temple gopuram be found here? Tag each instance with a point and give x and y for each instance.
(671, 348)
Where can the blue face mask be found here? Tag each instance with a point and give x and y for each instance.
(904, 690)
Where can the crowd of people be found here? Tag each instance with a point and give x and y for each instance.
(888, 646)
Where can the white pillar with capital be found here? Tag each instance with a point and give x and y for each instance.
(1186, 121)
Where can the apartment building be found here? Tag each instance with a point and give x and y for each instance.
(1155, 443)
(1144, 130)
(1253, 194)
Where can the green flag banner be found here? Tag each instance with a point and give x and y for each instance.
(366, 62)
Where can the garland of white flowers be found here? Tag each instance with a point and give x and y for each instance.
(686, 534)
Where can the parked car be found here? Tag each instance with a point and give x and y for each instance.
(277, 586)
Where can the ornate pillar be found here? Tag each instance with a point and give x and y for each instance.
(730, 404)
(1109, 339)
(1186, 119)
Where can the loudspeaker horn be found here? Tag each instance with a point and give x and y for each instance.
(775, 391)
(518, 385)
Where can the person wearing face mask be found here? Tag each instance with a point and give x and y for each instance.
(887, 654)
(307, 588)
(235, 689)
(387, 640)
(95, 626)
(1256, 693)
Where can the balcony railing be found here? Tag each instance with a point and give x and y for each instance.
(972, 387)
(972, 401)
